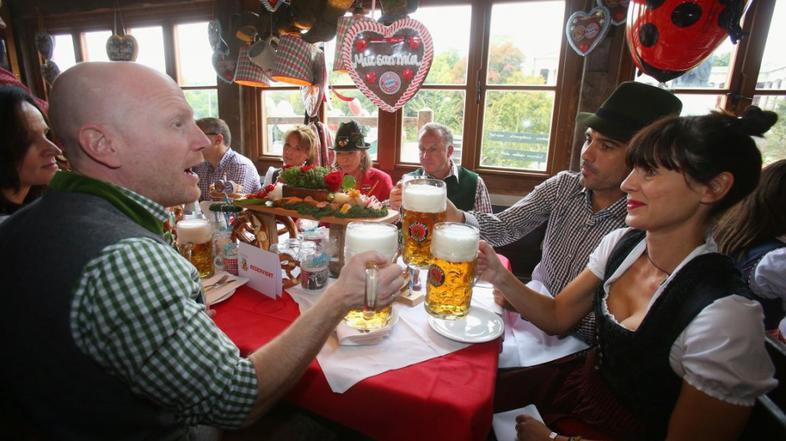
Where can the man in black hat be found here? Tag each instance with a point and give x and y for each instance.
(353, 159)
(579, 208)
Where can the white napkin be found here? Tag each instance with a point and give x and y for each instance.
(410, 341)
(504, 423)
(526, 345)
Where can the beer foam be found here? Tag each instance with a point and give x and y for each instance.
(455, 243)
(424, 198)
(371, 237)
(194, 231)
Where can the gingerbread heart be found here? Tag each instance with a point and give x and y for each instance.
(617, 8)
(585, 30)
(272, 5)
(388, 63)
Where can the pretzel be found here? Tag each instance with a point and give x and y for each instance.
(288, 264)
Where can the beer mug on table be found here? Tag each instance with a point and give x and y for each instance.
(359, 238)
(194, 242)
(423, 204)
(454, 253)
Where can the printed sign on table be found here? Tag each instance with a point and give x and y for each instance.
(261, 268)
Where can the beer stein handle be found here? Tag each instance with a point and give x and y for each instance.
(371, 289)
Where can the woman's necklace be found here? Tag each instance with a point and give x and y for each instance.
(646, 253)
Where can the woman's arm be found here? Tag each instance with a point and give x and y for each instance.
(697, 416)
(556, 315)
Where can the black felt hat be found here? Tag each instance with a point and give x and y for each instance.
(349, 137)
(631, 107)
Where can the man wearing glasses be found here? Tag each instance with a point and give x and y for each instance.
(222, 163)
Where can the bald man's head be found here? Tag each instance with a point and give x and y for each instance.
(129, 125)
(97, 93)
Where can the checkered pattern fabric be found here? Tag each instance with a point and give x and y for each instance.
(293, 59)
(137, 311)
(232, 166)
(230, 265)
(572, 233)
(248, 73)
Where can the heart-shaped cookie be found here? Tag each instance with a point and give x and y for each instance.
(585, 30)
(388, 63)
(618, 9)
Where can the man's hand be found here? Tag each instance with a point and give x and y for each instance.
(395, 195)
(351, 284)
(489, 268)
(530, 429)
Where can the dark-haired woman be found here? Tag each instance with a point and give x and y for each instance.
(680, 352)
(27, 155)
(754, 234)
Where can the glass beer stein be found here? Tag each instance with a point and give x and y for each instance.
(370, 236)
(423, 204)
(195, 243)
(454, 253)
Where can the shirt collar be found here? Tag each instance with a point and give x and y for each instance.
(154, 208)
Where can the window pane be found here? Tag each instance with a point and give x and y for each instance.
(442, 106)
(63, 54)
(95, 45)
(359, 109)
(204, 102)
(773, 145)
(283, 110)
(451, 48)
(193, 52)
(516, 129)
(699, 104)
(772, 74)
(335, 78)
(525, 42)
(712, 73)
(151, 47)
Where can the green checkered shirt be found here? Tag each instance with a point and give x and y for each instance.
(136, 311)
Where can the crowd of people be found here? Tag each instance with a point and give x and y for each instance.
(669, 232)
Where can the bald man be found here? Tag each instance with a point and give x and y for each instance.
(106, 337)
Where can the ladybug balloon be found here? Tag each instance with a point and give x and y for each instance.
(670, 37)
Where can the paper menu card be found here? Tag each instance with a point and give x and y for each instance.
(261, 268)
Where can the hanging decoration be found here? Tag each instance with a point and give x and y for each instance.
(248, 73)
(121, 46)
(585, 30)
(326, 14)
(293, 61)
(393, 10)
(273, 5)
(344, 23)
(618, 9)
(45, 45)
(314, 94)
(388, 63)
(222, 62)
(668, 38)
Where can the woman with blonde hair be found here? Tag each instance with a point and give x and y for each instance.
(353, 159)
(753, 233)
(300, 148)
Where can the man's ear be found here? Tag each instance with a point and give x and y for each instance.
(450, 151)
(96, 144)
(717, 188)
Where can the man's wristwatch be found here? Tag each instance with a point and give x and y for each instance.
(553, 435)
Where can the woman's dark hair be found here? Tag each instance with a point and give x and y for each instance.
(701, 147)
(16, 137)
(759, 217)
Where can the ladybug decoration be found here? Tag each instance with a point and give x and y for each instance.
(670, 37)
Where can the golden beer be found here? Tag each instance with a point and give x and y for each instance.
(423, 205)
(370, 236)
(194, 241)
(454, 250)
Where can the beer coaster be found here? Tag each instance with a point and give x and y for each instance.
(479, 326)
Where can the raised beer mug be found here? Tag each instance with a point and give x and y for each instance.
(454, 253)
(359, 238)
(195, 243)
(423, 204)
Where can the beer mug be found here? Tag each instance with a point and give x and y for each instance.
(454, 253)
(423, 204)
(194, 242)
(370, 236)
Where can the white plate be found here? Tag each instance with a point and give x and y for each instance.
(480, 325)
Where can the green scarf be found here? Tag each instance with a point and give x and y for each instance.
(72, 182)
